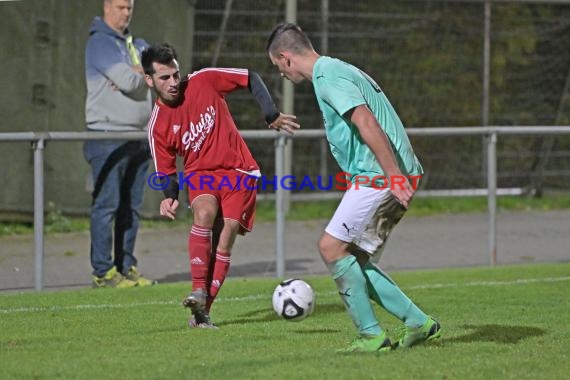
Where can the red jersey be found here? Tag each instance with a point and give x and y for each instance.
(200, 129)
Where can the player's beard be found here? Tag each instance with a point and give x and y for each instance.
(170, 97)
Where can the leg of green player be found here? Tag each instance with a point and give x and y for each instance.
(419, 326)
(351, 286)
(387, 294)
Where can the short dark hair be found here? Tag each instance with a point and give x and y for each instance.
(288, 36)
(160, 53)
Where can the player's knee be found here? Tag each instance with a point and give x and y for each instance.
(228, 235)
(323, 245)
(204, 217)
(331, 249)
(232, 226)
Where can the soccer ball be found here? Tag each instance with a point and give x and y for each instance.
(293, 300)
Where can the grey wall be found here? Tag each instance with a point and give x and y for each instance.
(43, 89)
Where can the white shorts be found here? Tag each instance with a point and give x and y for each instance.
(364, 218)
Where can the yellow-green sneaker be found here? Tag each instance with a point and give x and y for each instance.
(365, 343)
(135, 276)
(431, 330)
(113, 279)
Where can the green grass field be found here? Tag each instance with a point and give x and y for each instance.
(510, 322)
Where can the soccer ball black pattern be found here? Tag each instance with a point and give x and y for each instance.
(293, 299)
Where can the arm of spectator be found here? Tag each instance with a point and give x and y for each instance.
(104, 56)
(128, 79)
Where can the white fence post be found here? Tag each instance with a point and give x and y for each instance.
(492, 195)
(280, 207)
(39, 146)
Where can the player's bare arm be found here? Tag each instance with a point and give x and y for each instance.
(373, 135)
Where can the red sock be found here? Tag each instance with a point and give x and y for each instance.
(221, 268)
(199, 246)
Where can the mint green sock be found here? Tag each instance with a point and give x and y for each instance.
(351, 285)
(387, 294)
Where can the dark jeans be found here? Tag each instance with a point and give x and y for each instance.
(119, 176)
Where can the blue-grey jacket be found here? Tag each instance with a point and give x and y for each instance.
(118, 98)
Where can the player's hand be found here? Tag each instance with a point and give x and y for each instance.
(286, 123)
(403, 192)
(168, 208)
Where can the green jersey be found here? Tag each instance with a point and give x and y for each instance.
(340, 87)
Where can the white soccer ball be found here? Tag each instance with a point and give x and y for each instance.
(293, 300)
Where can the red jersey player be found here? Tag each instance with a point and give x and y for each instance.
(191, 119)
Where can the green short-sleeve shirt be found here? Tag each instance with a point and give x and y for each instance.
(340, 87)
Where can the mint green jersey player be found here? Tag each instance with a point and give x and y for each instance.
(340, 87)
(363, 130)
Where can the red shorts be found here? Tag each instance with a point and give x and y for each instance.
(235, 192)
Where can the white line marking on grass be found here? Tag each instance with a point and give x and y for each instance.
(265, 296)
(492, 283)
(84, 307)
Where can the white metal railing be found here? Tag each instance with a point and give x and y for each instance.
(38, 140)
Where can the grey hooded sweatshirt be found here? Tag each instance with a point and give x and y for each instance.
(118, 98)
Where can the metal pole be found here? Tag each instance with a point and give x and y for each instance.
(38, 147)
(279, 208)
(222, 32)
(492, 195)
(486, 64)
(323, 145)
(288, 105)
(190, 32)
(283, 159)
(486, 80)
(491, 145)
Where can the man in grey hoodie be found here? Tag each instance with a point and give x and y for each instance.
(118, 100)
